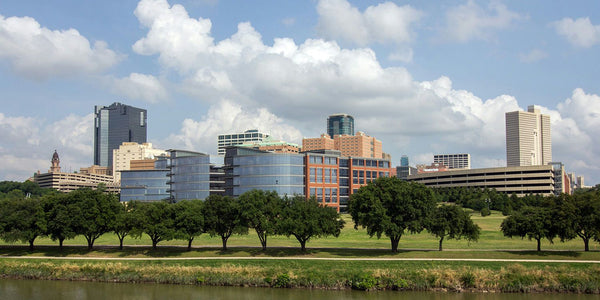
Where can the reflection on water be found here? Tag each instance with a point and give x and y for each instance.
(39, 289)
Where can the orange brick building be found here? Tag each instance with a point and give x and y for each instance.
(359, 145)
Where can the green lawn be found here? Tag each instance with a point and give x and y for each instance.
(491, 239)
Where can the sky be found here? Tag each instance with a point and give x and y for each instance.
(424, 77)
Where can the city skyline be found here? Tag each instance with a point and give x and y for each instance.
(437, 83)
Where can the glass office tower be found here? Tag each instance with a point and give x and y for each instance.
(114, 125)
(340, 124)
(189, 175)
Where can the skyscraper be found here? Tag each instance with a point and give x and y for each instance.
(114, 125)
(404, 161)
(453, 161)
(340, 124)
(528, 139)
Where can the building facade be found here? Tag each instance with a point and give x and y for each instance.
(340, 124)
(528, 138)
(114, 125)
(144, 185)
(359, 145)
(521, 180)
(129, 151)
(189, 175)
(235, 139)
(453, 161)
(404, 161)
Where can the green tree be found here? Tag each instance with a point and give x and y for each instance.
(306, 218)
(580, 216)
(189, 220)
(22, 220)
(156, 219)
(124, 224)
(391, 206)
(97, 213)
(531, 222)
(223, 217)
(452, 222)
(261, 210)
(62, 216)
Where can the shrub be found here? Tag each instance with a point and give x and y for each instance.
(282, 281)
(485, 212)
(363, 282)
(467, 279)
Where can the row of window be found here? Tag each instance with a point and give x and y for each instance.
(328, 195)
(240, 136)
(370, 163)
(323, 175)
(326, 160)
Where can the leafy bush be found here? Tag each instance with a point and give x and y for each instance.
(363, 282)
(282, 281)
(485, 212)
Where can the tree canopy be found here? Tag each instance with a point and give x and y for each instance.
(261, 210)
(452, 222)
(223, 217)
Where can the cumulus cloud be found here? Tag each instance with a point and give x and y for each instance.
(39, 53)
(227, 117)
(580, 33)
(533, 56)
(470, 21)
(383, 23)
(27, 144)
(140, 87)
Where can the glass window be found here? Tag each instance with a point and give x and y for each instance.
(334, 175)
(327, 173)
(312, 192)
(328, 195)
(319, 175)
(313, 175)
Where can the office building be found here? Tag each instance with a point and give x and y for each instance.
(580, 182)
(268, 144)
(130, 151)
(453, 161)
(189, 175)
(359, 145)
(528, 138)
(403, 172)
(144, 185)
(340, 124)
(404, 161)
(235, 139)
(114, 125)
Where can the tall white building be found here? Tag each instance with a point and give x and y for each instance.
(233, 139)
(528, 138)
(453, 161)
(129, 151)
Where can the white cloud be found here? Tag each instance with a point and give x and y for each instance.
(140, 87)
(227, 117)
(470, 21)
(580, 33)
(71, 136)
(39, 53)
(384, 23)
(533, 56)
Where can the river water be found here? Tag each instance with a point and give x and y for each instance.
(50, 290)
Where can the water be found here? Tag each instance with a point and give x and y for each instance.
(50, 290)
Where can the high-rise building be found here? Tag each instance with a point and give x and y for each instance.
(528, 139)
(129, 151)
(340, 124)
(234, 139)
(404, 161)
(453, 161)
(359, 145)
(114, 125)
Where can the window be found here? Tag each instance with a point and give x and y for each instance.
(319, 175)
(313, 175)
(327, 173)
(333, 175)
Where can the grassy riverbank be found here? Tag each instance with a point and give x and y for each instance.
(396, 275)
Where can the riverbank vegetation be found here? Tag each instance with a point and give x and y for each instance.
(346, 274)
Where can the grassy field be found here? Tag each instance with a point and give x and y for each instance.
(351, 242)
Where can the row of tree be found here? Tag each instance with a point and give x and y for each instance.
(92, 213)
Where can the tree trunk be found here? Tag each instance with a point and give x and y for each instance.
(539, 242)
(263, 240)
(31, 244)
(586, 242)
(121, 242)
(90, 242)
(224, 240)
(60, 243)
(441, 240)
(154, 243)
(190, 244)
(395, 240)
(303, 245)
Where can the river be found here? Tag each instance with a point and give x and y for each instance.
(80, 290)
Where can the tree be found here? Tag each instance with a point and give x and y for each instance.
(124, 223)
(97, 213)
(453, 222)
(223, 217)
(261, 210)
(22, 220)
(189, 220)
(531, 221)
(156, 219)
(61, 215)
(580, 216)
(306, 218)
(391, 206)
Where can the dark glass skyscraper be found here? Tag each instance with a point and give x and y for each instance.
(340, 124)
(114, 125)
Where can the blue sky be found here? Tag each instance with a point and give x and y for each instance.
(424, 77)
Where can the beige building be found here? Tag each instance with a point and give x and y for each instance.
(358, 145)
(528, 138)
(129, 151)
(274, 146)
(541, 179)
